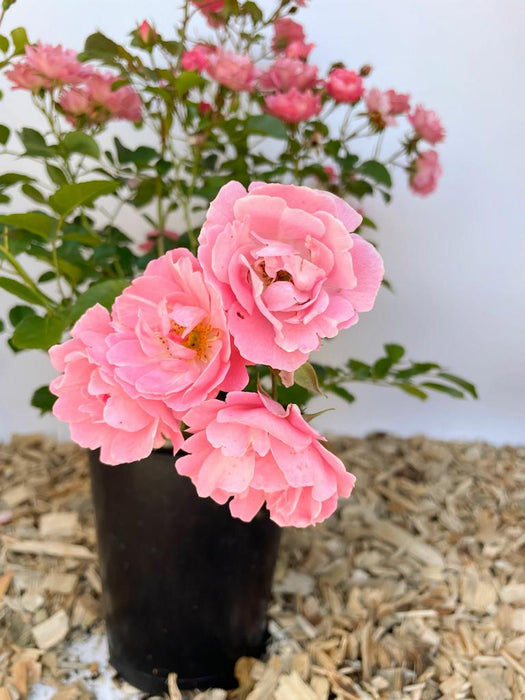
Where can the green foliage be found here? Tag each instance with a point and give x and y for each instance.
(192, 150)
(69, 197)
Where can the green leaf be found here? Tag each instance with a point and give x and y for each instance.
(377, 171)
(8, 179)
(467, 386)
(35, 332)
(4, 44)
(267, 125)
(4, 134)
(306, 377)
(360, 369)
(34, 221)
(33, 193)
(339, 391)
(394, 351)
(251, 8)
(79, 142)
(417, 368)
(18, 313)
(444, 389)
(101, 45)
(381, 367)
(56, 175)
(20, 40)
(43, 399)
(34, 143)
(69, 197)
(103, 293)
(413, 391)
(188, 80)
(20, 290)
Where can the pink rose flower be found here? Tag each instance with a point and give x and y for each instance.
(152, 236)
(345, 85)
(96, 102)
(287, 269)
(99, 411)
(171, 341)
(253, 449)
(298, 49)
(287, 73)
(197, 58)
(236, 72)
(427, 125)
(427, 171)
(379, 109)
(211, 9)
(399, 102)
(46, 67)
(294, 106)
(285, 32)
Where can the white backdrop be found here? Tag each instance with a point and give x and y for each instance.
(456, 259)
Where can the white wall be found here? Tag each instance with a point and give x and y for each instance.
(456, 259)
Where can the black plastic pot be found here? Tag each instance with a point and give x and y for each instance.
(185, 586)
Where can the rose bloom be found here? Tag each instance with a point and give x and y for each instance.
(287, 269)
(210, 8)
(236, 72)
(99, 411)
(197, 58)
(399, 102)
(294, 106)
(285, 31)
(171, 342)
(287, 73)
(96, 102)
(427, 171)
(379, 109)
(427, 125)
(46, 67)
(253, 449)
(298, 49)
(345, 85)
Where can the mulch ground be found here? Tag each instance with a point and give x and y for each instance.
(415, 589)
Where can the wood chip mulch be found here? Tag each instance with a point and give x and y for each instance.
(415, 589)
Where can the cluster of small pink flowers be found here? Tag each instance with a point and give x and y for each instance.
(291, 81)
(86, 95)
(46, 67)
(278, 270)
(96, 101)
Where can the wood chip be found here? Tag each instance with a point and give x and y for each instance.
(15, 496)
(488, 685)
(5, 582)
(52, 631)
(58, 525)
(49, 548)
(173, 688)
(60, 583)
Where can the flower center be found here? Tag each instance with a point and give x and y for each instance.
(199, 339)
